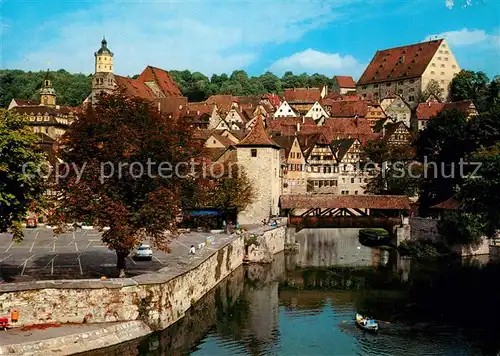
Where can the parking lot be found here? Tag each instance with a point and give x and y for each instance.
(78, 254)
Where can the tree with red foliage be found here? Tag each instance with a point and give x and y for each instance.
(125, 163)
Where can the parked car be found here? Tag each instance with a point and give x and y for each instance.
(143, 252)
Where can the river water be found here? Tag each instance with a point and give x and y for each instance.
(305, 303)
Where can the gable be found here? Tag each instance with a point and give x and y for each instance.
(285, 110)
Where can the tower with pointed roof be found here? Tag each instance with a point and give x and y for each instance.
(259, 156)
(47, 92)
(103, 80)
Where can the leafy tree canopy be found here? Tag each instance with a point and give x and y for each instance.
(474, 86)
(21, 174)
(110, 182)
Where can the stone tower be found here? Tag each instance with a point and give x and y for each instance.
(103, 80)
(259, 156)
(47, 92)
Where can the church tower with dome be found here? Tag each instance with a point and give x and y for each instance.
(103, 80)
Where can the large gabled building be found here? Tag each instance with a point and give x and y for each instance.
(407, 70)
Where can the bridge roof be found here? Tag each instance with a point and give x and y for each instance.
(326, 201)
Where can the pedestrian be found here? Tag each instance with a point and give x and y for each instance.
(192, 250)
(237, 226)
(228, 228)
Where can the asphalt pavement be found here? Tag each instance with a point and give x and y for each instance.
(80, 254)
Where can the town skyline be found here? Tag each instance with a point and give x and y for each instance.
(326, 39)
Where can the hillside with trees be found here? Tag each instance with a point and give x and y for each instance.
(72, 89)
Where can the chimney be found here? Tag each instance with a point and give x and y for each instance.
(298, 126)
(303, 120)
(429, 104)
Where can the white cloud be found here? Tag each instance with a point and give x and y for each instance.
(202, 36)
(466, 37)
(312, 61)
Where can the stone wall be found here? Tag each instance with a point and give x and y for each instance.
(107, 335)
(266, 245)
(426, 229)
(159, 299)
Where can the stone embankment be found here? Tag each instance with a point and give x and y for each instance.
(157, 299)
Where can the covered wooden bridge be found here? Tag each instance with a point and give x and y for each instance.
(329, 210)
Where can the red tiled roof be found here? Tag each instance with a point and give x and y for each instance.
(223, 139)
(428, 110)
(302, 95)
(134, 88)
(348, 108)
(199, 108)
(274, 99)
(223, 102)
(345, 81)
(399, 62)
(258, 136)
(304, 201)
(450, 204)
(26, 102)
(175, 105)
(162, 78)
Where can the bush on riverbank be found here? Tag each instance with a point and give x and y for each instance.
(422, 249)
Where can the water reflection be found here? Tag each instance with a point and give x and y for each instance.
(304, 305)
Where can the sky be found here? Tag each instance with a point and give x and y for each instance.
(334, 37)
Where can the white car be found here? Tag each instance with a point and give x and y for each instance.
(144, 252)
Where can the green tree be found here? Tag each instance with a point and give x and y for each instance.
(461, 228)
(432, 88)
(21, 181)
(396, 169)
(479, 194)
(270, 82)
(470, 85)
(138, 201)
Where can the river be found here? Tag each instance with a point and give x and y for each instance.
(304, 304)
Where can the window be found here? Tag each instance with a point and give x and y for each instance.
(343, 180)
(253, 152)
(446, 58)
(352, 180)
(438, 58)
(355, 192)
(453, 66)
(440, 51)
(299, 155)
(442, 81)
(387, 84)
(432, 72)
(400, 91)
(433, 64)
(292, 155)
(411, 98)
(375, 86)
(411, 90)
(446, 52)
(442, 73)
(442, 65)
(412, 81)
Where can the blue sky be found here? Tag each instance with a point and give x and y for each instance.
(329, 37)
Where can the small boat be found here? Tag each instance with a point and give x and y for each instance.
(374, 237)
(366, 323)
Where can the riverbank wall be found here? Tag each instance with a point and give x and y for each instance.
(158, 299)
(426, 229)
